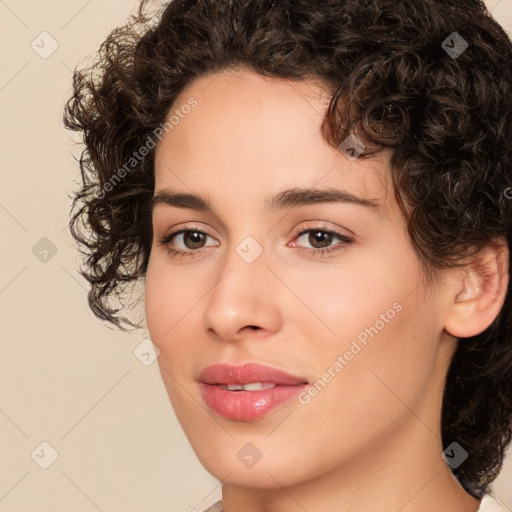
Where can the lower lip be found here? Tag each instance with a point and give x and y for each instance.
(247, 405)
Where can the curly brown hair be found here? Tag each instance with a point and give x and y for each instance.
(446, 117)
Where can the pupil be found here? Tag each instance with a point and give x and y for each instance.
(195, 235)
(318, 236)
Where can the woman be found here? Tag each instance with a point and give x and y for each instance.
(317, 198)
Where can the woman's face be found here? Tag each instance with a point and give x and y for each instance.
(341, 308)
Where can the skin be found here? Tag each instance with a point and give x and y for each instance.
(370, 440)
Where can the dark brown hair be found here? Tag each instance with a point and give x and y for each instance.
(395, 81)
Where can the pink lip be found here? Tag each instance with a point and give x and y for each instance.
(247, 405)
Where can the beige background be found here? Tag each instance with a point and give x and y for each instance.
(65, 378)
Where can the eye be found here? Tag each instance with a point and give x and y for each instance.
(321, 239)
(192, 241)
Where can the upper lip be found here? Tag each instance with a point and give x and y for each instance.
(224, 373)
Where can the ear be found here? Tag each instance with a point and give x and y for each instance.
(481, 292)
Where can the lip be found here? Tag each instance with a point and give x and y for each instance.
(247, 405)
(244, 374)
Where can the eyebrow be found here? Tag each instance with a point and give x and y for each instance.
(286, 199)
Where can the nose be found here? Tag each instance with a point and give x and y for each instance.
(244, 299)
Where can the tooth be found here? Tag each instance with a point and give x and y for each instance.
(251, 386)
(258, 386)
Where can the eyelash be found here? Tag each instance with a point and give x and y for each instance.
(167, 239)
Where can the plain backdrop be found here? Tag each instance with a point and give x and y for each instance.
(74, 396)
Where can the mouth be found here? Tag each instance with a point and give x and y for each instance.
(247, 392)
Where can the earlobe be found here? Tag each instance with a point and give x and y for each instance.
(481, 293)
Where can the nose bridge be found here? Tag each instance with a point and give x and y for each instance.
(243, 294)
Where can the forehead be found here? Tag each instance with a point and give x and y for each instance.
(248, 133)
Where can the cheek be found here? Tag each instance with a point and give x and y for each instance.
(375, 316)
(168, 297)
(163, 309)
(356, 300)
(171, 309)
(378, 378)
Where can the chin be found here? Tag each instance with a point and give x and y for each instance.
(260, 476)
(237, 461)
